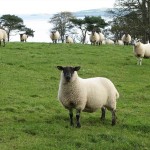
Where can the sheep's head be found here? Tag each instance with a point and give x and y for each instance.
(68, 71)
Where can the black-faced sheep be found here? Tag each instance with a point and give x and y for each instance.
(23, 37)
(126, 38)
(94, 38)
(86, 94)
(54, 36)
(69, 39)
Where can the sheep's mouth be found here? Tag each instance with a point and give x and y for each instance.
(68, 79)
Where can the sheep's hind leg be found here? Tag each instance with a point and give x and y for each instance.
(113, 117)
(103, 109)
(78, 118)
(71, 117)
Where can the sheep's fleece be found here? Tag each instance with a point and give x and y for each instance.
(85, 94)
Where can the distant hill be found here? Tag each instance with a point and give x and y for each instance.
(93, 12)
(79, 14)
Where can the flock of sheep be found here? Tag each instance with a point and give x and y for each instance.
(140, 50)
(88, 95)
(92, 93)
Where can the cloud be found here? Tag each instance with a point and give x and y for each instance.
(51, 6)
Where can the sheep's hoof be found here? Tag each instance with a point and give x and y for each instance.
(102, 118)
(72, 124)
(113, 122)
(78, 125)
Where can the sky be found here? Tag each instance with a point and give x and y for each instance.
(50, 6)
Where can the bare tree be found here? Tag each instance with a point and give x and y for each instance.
(61, 23)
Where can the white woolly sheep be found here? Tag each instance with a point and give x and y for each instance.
(109, 41)
(86, 94)
(101, 38)
(141, 51)
(126, 38)
(69, 39)
(3, 37)
(23, 37)
(94, 38)
(54, 36)
(119, 42)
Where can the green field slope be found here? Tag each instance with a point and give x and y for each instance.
(32, 118)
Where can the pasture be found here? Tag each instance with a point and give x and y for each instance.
(31, 117)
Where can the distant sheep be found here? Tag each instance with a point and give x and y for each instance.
(119, 42)
(3, 37)
(126, 38)
(23, 37)
(54, 36)
(109, 41)
(101, 38)
(94, 38)
(86, 94)
(141, 51)
(69, 39)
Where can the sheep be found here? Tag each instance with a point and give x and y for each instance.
(3, 37)
(54, 36)
(69, 39)
(119, 42)
(94, 38)
(126, 38)
(109, 41)
(101, 38)
(23, 37)
(86, 95)
(141, 51)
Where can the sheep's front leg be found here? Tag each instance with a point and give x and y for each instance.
(78, 118)
(113, 117)
(71, 117)
(103, 109)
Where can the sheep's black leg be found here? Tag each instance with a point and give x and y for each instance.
(71, 117)
(78, 118)
(113, 117)
(103, 109)
(3, 43)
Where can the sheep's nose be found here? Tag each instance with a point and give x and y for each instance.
(68, 77)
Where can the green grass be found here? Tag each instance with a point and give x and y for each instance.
(31, 117)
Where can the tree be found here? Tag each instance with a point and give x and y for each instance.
(88, 24)
(11, 22)
(135, 15)
(61, 22)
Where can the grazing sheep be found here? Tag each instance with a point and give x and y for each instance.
(109, 41)
(86, 94)
(54, 36)
(126, 38)
(3, 37)
(119, 42)
(94, 38)
(23, 37)
(141, 51)
(69, 39)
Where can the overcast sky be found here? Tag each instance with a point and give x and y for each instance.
(50, 6)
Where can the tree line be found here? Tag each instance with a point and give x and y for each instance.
(129, 16)
(133, 17)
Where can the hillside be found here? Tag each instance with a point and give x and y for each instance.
(32, 118)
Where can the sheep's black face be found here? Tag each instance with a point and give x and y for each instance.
(68, 72)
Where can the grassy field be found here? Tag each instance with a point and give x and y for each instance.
(31, 117)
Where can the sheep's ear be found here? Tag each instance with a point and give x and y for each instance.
(77, 68)
(60, 67)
